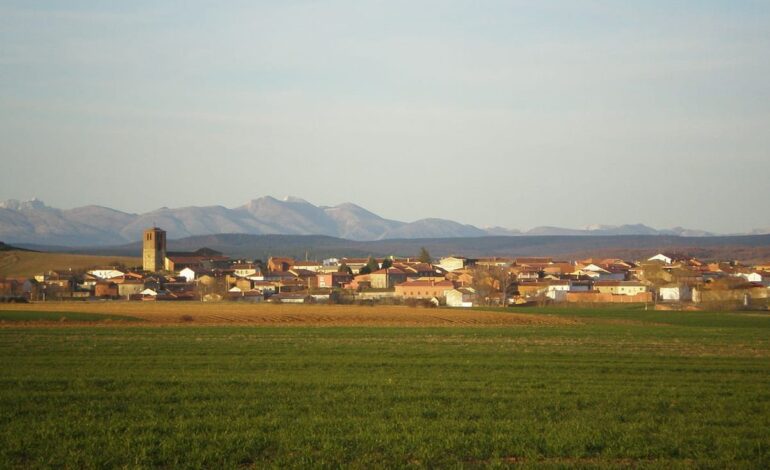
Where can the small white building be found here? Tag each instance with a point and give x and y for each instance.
(129, 288)
(751, 277)
(557, 290)
(602, 274)
(679, 293)
(452, 263)
(245, 269)
(266, 287)
(188, 273)
(313, 266)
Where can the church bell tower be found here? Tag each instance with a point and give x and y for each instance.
(153, 249)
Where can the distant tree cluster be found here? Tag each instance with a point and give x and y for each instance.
(371, 266)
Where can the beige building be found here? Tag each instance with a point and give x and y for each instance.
(153, 249)
(620, 287)
(387, 278)
(452, 263)
(423, 289)
(245, 269)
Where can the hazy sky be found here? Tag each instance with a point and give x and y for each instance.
(512, 113)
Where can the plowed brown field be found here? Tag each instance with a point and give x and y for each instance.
(194, 313)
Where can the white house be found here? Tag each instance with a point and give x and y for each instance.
(149, 293)
(661, 257)
(106, 273)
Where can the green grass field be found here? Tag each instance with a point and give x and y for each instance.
(625, 388)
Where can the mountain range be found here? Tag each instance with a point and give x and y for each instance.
(34, 222)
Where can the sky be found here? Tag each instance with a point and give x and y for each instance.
(495, 113)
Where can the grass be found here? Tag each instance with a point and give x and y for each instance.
(637, 313)
(30, 263)
(626, 388)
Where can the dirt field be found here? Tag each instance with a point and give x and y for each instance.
(195, 313)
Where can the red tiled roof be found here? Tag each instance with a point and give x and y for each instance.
(533, 260)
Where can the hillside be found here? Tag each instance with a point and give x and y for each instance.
(28, 263)
(743, 248)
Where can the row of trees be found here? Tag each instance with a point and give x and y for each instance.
(372, 265)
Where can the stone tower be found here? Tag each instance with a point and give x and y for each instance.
(153, 249)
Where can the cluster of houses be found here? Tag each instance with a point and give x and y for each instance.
(453, 281)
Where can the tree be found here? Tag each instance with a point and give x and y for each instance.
(424, 256)
(344, 268)
(492, 284)
(387, 263)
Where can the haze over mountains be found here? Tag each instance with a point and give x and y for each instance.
(34, 222)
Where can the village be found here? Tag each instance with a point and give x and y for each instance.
(667, 281)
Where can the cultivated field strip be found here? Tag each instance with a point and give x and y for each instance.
(585, 395)
(196, 313)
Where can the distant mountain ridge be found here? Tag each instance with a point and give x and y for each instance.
(748, 248)
(34, 222)
(6, 247)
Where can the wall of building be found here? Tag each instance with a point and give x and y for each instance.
(422, 292)
(598, 297)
